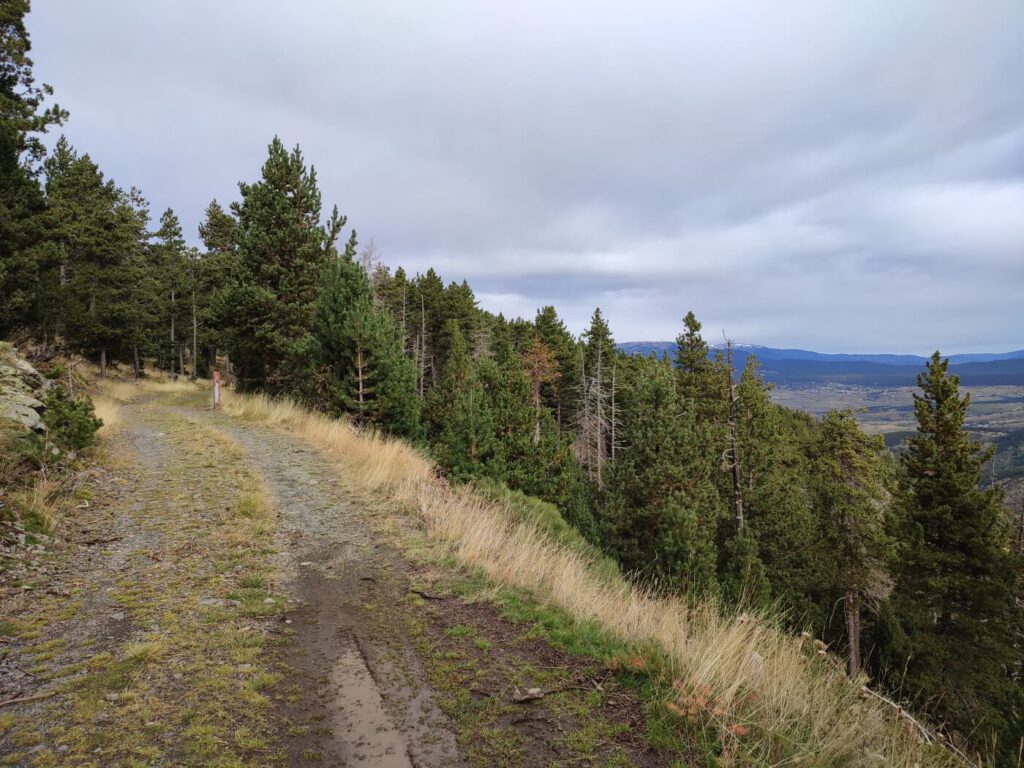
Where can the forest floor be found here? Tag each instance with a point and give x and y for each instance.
(220, 598)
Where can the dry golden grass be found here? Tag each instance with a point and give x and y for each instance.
(108, 409)
(111, 394)
(43, 501)
(773, 699)
(126, 391)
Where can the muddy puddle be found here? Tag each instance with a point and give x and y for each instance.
(361, 725)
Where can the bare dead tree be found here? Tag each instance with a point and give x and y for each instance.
(195, 336)
(371, 261)
(423, 349)
(594, 420)
(733, 452)
(369, 258)
(482, 343)
(613, 417)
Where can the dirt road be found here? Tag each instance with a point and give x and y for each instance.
(218, 598)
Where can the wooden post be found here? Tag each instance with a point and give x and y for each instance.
(216, 390)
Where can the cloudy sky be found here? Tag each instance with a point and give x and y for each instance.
(833, 175)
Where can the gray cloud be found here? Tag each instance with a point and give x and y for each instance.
(842, 176)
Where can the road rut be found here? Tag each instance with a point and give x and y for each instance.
(350, 698)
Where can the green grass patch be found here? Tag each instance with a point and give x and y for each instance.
(461, 630)
(10, 628)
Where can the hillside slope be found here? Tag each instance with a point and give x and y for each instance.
(737, 686)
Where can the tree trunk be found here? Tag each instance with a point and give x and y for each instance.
(195, 338)
(172, 334)
(536, 413)
(423, 347)
(737, 492)
(613, 415)
(360, 382)
(181, 359)
(599, 419)
(851, 607)
(405, 326)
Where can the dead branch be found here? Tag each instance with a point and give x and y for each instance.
(24, 699)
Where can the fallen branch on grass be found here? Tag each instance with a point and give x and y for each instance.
(23, 699)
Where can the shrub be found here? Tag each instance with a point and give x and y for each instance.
(70, 421)
(57, 371)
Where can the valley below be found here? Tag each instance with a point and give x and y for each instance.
(996, 415)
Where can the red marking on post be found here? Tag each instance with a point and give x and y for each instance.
(216, 390)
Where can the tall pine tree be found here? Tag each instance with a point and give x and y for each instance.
(958, 578)
(26, 262)
(363, 370)
(850, 483)
(661, 506)
(461, 414)
(282, 249)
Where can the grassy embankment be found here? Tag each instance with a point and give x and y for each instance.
(747, 692)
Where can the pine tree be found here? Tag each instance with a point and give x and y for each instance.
(136, 280)
(197, 297)
(850, 480)
(428, 322)
(219, 230)
(213, 274)
(169, 254)
(958, 577)
(507, 384)
(561, 394)
(458, 305)
(395, 295)
(461, 414)
(99, 231)
(596, 415)
(662, 507)
(542, 369)
(282, 250)
(700, 380)
(363, 369)
(28, 265)
(776, 503)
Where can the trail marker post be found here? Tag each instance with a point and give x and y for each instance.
(216, 390)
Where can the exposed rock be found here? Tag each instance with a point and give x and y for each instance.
(530, 694)
(21, 390)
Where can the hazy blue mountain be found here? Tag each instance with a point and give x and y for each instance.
(797, 366)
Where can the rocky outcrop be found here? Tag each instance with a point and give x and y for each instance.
(21, 390)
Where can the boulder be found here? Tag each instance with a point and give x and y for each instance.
(21, 390)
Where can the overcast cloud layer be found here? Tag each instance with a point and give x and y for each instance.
(841, 176)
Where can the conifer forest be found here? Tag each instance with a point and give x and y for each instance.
(906, 565)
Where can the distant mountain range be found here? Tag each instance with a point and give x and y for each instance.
(801, 366)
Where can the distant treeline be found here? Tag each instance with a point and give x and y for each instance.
(813, 368)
